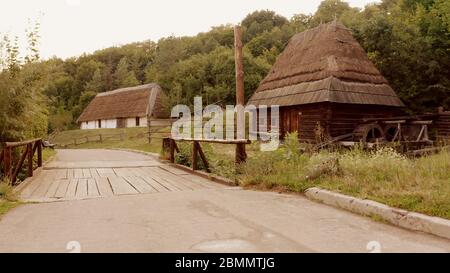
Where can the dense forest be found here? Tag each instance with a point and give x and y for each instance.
(408, 40)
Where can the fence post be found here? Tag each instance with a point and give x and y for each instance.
(30, 159)
(149, 123)
(172, 150)
(100, 137)
(194, 156)
(7, 160)
(39, 151)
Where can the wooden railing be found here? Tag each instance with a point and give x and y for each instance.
(6, 157)
(171, 145)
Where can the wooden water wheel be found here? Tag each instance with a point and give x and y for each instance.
(369, 133)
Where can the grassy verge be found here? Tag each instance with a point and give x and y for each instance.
(8, 199)
(421, 185)
(134, 138)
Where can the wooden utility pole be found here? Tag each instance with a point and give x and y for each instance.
(241, 155)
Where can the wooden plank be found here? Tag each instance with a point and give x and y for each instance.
(202, 181)
(94, 173)
(121, 186)
(62, 189)
(182, 180)
(60, 174)
(122, 172)
(78, 173)
(35, 184)
(92, 189)
(177, 181)
(86, 173)
(139, 184)
(51, 192)
(152, 173)
(70, 174)
(41, 191)
(174, 170)
(106, 172)
(72, 188)
(104, 187)
(153, 183)
(81, 188)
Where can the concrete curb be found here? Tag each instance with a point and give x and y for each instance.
(399, 217)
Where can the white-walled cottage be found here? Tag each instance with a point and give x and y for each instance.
(125, 107)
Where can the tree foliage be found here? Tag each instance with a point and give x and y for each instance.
(408, 41)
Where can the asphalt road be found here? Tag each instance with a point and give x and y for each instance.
(213, 219)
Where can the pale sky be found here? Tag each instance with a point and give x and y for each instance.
(72, 27)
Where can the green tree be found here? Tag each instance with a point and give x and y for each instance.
(122, 76)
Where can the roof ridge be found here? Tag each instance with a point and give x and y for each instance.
(128, 89)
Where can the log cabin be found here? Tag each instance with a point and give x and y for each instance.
(325, 85)
(125, 107)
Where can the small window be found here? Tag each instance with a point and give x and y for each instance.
(99, 123)
(137, 121)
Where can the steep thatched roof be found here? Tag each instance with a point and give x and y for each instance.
(127, 102)
(324, 64)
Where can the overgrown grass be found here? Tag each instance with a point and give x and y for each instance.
(134, 138)
(8, 199)
(421, 185)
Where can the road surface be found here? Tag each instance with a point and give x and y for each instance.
(183, 214)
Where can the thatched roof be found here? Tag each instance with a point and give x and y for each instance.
(324, 64)
(127, 102)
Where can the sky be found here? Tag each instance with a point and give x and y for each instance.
(72, 27)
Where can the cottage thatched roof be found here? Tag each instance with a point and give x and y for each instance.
(324, 64)
(127, 102)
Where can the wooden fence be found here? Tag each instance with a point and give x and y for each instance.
(10, 168)
(119, 137)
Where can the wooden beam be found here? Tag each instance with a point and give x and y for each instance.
(21, 143)
(194, 156)
(7, 161)
(220, 141)
(39, 153)
(202, 156)
(19, 165)
(30, 159)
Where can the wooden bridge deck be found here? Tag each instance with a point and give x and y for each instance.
(73, 180)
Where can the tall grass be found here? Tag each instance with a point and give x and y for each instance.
(383, 175)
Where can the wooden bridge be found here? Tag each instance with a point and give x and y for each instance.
(96, 173)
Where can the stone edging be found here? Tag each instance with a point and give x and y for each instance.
(399, 217)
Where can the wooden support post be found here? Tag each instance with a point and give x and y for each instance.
(149, 129)
(194, 155)
(202, 156)
(100, 138)
(172, 150)
(241, 155)
(39, 153)
(7, 162)
(19, 165)
(2, 153)
(30, 159)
